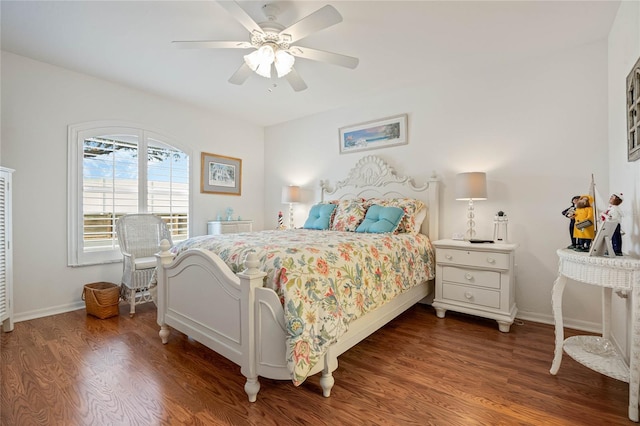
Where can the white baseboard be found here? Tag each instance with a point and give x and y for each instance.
(522, 315)
(590, 327)
(54, 310)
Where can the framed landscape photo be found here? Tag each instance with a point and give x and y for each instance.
(383, 133)
(220, 174)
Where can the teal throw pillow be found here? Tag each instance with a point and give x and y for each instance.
(319, 216)
(381, 219)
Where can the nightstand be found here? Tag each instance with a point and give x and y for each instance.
(217, 227)
(476, 279)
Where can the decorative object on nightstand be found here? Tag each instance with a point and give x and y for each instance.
(476, 279)
(291, 196)
(471, 186)
(500, 221)
(280, 222)
(229, 212)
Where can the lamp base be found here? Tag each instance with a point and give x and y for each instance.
(291, 216)
(471, 233)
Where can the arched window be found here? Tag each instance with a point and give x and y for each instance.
(117, 169)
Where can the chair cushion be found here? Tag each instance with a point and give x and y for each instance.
(145, 262)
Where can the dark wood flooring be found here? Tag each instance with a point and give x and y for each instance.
(73, 369)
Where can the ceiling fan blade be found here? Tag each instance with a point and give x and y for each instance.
(296, 82)
(241, 16)
(241, 75)
(318, 20)
(208, 44)
(322, 56)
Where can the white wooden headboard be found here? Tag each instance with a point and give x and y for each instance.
(373, 177)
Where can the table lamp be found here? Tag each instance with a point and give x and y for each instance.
(471, 186)
(291, 196)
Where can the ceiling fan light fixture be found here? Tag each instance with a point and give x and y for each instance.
(284, 62)
(260, 60)
(264, 70)
(275, 44)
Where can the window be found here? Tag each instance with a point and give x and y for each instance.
(114, 170)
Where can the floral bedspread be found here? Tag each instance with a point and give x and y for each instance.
(325, 279)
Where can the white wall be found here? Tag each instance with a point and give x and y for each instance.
(39, 101)
(538, 129)
(624, 51)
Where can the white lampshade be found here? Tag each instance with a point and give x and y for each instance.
(471, 186)
(290, 194)
(284, 62)
(260, 60)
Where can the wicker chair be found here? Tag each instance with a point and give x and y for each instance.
(139, 236)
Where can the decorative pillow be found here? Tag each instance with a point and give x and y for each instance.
(348, 215)
(319, 216)
(411, 207)
(381, 219)
(421, 215)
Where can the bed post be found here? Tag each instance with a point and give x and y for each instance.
(165, 257)
(326, 380)
(250, 279)
(434, 213)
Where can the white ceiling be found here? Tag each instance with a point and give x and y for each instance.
(399, 44)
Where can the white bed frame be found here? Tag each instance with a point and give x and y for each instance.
(239, 319)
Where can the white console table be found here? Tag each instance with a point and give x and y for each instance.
(218, 227)
(619, 274)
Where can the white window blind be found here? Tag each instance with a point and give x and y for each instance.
(122, 171)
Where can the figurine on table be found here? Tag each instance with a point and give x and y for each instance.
(584, 230)
(613, 213)
(280, 222)
(570, 212)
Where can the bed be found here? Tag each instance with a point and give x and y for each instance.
(285, 304)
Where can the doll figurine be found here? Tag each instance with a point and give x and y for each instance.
(613, 213)
(570, 212)
(583, 230)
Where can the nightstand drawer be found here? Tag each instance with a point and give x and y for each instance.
(479, 259)
(473, 295)
(472, 277)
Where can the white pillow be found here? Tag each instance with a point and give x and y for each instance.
(421, 215)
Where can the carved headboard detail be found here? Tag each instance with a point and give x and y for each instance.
(373, 177)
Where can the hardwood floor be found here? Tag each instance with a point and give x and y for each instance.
(73, 369)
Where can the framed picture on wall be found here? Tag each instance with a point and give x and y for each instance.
(633, 113)
(383, 133)
(220, 174)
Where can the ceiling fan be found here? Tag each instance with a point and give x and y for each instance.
(274, 45)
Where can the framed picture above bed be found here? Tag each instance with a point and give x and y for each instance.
(383, 133)
(220, 174)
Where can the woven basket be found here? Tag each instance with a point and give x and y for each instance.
(102, 299)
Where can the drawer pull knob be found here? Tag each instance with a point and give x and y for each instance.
(468, 295)
(468, 276)
(491, 260)
(448, 257)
